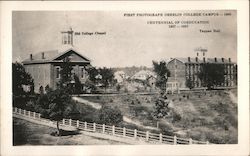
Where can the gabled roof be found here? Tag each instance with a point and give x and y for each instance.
(184, 60)
(53, 56)
(48, 55)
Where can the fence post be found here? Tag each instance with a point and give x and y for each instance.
(175, 140)
(34, 115)
(70, 120)
(207, 142)
(39, 115)
(15, 110)
(29, 113)
(135, 133)
(113, 130)
(77, 123)
(63, 121)
(190, 141)
(85, 125)
(94, 127)
(160, 138)
(103, 128)
(124, 131)
(20, 111)
(24, 112)
(147, 136)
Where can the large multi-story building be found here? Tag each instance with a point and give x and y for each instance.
(187, 69)
(45, 67)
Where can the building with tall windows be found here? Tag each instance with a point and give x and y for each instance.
(45, 66)
(186, 70)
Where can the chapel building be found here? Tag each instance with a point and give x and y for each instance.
(45, 66)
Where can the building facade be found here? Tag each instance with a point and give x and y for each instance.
(186, 70)
(45, 67)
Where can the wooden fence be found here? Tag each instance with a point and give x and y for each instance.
(112, 130)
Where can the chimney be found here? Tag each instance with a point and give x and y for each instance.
(196, 59)
(204, 59)
(229, 59)
(215, 59)
(31, 58)
(188, 59)
(43, 55)
(222, 59)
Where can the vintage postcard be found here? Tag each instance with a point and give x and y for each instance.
(126, 81)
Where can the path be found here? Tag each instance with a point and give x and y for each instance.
(29, 133)
(109, 138)
(137, 123)
(83, 101)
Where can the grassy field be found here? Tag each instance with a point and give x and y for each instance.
(27, 133)
(204, 116)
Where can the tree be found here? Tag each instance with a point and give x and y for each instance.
(211, 74)
(55, 105)
(110, 116)
(161, 107)
(92, 72)
(107, 76)
(189, 83)
(66, 72)
(162, 74)
(78, 85)
(21, 78)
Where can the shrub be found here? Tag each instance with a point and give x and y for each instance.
(132, 102)
(110, 116)
(176, 117)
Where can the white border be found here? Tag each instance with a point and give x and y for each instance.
(242, 148)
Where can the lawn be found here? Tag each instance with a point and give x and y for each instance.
(202, 116)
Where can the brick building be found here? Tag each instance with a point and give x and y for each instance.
(45, 66)
(184, 69)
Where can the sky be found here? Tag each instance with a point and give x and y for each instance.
(128, 40)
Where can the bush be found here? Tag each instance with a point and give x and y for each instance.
(110, 116)
(87, 113)
(176, 117)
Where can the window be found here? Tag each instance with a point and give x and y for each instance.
(82, 73)
(57, 72)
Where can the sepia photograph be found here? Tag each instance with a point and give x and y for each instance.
(124, 78)
(130, 78)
